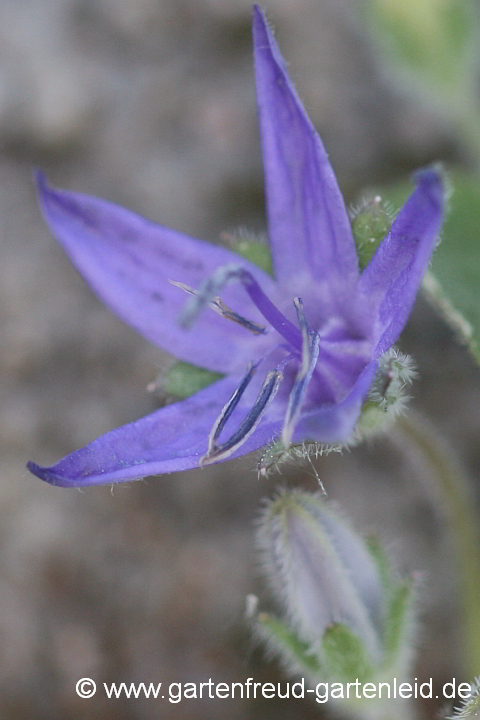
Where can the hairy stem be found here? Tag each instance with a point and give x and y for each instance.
(462, 516)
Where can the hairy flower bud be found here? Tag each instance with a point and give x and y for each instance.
(345, 614)
(388, 394)
(371, 222)
(470, 706)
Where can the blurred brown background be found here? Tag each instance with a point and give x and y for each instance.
(150, 103)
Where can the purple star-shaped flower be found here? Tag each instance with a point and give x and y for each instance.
(303, 348)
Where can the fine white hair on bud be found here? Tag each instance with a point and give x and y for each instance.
(388, 396)
(321, 572)
(344, 613)
(470, 705)
(371, 218)
(395, 367)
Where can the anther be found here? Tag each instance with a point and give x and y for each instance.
(230, 407)
(222, 309)
(266, 395)
(236, 273)
(310, 353)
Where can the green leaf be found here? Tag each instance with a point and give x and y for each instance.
(183, 379)
(287, 642)
(456, 264)
(433, 39)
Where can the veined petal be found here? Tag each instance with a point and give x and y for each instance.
(170, 439)
(393, 277)
(129, 261)
(309, 229)
(335, 422)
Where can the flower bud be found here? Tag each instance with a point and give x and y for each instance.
(345, 613)
(371, 222)
(470, 706)
(388, 395)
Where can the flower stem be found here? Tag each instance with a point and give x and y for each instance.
(462, 517)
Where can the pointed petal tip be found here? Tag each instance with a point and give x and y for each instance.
(39, 175)
(48, 475)
(432, 180)
(40, 180)
(45, 192)
(431, 173)
(263, 36)
(258, 14)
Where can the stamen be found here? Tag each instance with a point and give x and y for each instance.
(230, 273)
(298, 302)
(310, 353)
(249, 425)
(222, 309)
(230, 407)
(230, 314)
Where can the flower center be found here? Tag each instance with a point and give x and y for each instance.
(303, 344)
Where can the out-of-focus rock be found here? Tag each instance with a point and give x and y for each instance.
(151, 103)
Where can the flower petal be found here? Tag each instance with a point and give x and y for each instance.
(309, 228)
(129, 261)
(335, 422)
(393, 277)
(170, 439)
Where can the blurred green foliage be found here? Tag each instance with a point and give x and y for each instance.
(433, 39)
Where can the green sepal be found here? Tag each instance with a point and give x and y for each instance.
(288, 644)
(398, 622)
(382, 561)
(183, 379)
(346, 658)
(372, 418)
(399, 606)
(256, 252)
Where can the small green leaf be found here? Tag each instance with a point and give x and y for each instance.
(183, 379)
(345, 655)
(382, 561)
(286, 641)
(398, 621)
